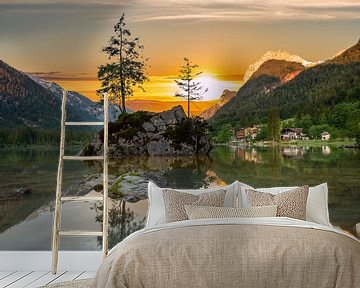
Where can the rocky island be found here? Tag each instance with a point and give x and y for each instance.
(153, 134)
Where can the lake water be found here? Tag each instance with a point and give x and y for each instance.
(26, 220)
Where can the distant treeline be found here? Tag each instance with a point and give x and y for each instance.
(342, 121)
(22, 135)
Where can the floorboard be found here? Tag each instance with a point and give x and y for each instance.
(28, 279)
(5, 274)
(87, 274)
(13, 277)
(35, 279)
(68, 276)
(46, 279)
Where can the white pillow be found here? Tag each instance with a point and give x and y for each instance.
(156, 210)
(317, 203)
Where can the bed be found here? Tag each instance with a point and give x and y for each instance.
(234, 252)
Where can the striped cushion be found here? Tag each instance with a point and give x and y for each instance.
(201, 212)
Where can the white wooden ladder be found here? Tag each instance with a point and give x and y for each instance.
(57, 231)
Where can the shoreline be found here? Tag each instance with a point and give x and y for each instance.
(263, 144)
(299, 143)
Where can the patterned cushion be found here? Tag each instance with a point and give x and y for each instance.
(175, 201)
(201, 212)
(290, 204)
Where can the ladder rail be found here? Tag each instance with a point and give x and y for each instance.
(105, 178)
(57, 213)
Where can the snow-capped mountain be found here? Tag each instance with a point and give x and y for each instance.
(276, 55)
(89, 109)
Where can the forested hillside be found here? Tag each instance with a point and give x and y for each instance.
(326, 94)
(270, 75)
(23, 102)
(30, 110)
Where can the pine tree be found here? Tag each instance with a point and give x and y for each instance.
(191, 89)
(127, 69)
(274, 125)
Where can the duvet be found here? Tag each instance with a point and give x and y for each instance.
(237, 252)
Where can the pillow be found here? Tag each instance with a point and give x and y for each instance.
(201, 212)
(317, 210)
(290, 203)
(175, 201)
(156, 211)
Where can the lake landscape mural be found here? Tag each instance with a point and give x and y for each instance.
(202, 93)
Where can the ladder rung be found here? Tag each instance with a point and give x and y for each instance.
(79, 233)
(83, 157)
(82, 198)
(84, 123)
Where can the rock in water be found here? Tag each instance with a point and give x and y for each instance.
(146, 133)
(131, 187)
(93, 182)
(25, 190)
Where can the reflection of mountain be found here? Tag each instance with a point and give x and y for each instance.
(17, 210)
(259, 167)
(35, 168)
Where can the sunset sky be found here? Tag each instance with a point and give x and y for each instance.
(62, 40)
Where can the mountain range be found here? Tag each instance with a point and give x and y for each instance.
(278, 79)
(294, 87)
(26, 100)
(276, 55)
(84, 106)
(197, 107)
(254, 68)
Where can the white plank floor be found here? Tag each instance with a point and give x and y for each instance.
(32, 279)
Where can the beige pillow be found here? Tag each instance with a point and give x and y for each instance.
(290, 204)
(175, 201)
(201, 212)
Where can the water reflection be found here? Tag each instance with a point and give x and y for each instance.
(294, 152)
(122, 221)
(35, 168)
(326, 150)
(171, 171)
(259, 167)
(249, 155)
